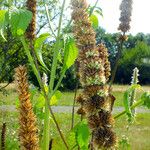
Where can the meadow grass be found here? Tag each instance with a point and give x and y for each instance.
(10, 96)
(138, 133)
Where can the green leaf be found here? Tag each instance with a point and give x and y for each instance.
(146, 98)
(99, 11)
(55, 98)
(82, 134)
(19, 20)
(2, 22)
(126, 100)
(70, 53)
(94, 20)
(38, 48)
(40, 101)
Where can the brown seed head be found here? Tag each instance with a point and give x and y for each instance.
(30, 32)
(28, 129)
(125, 18)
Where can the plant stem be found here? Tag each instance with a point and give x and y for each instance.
(93, 8)
(56, 51)
(73, 107)
(36, 72)
(46, 136)
(132, 107)
(48, 18)
(116, 62)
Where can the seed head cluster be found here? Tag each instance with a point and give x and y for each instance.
(94, 72)
(3, 136)
(30, 32)
(28, 129)
(125, 16)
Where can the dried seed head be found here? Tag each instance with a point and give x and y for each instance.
(104, 138)
(28, 129)
(3, 137)
(105, 118)
(93, 122)
(30, 32)
(123, 38)
(125, 18)
(94, 71)
(93, 103)
(81, 111)
(103, 54)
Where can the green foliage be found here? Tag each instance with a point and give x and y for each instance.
(124, 143)
(146, 98)
(19, 20)
(127, 99)
(94, 20)
(38, 48)
(2, 22)
(70, 53)
(135, 57)
(82, 135)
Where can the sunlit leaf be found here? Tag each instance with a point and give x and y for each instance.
(55, 98)
(19, 20)
(82, 134)
(126, 100)
(2, 22)
(38, 48)
(146, 98)
(94, 20)
(70, 53)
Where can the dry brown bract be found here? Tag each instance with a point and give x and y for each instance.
(31, 6)
(125, 16)
(94, 72)
(28, 129)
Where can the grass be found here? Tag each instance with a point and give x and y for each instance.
(138, 133)
(10, 96)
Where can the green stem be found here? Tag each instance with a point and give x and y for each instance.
(48, 18)
(93, 8)
(27, 51)
(132, 107)
(119, 54)
(46, 136)
(56, 51)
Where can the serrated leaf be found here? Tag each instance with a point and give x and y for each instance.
(54, 100)
(70, 53)
(126, 100)
(40, 101)
(82, 134)
(94, 20)
(2, 22)
(146, 98)
(38, 48)
(19, 20)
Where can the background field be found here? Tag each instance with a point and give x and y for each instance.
(138, 133)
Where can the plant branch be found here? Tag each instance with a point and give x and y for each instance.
(49, 20)
(132, 107)
(41, 85)
(73, 107)
(93, 8)
(117, 61)
(56, 51)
